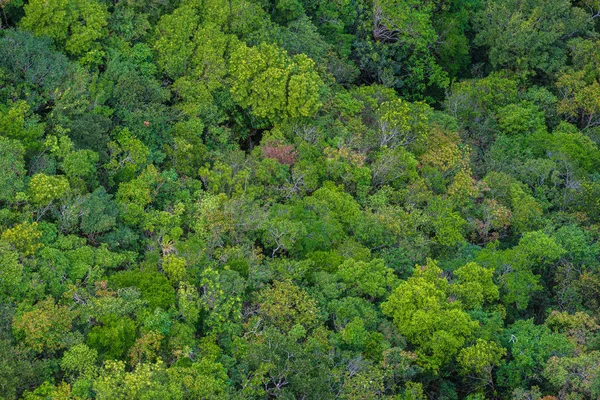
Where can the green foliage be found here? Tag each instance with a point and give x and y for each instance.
(74, 24)
(371, 279)
(46, 70)
(481, 357)
(274, 85)
(401, 51)
(424, 313)
(20, 370)
(155, 287)
(11, 281)
(475, 285)
(98, 213)
(45, 189)
(402, 123)
(447, 224)
(45, 326)
(80, 167)
(561, 373)
(115, 383)
(24, 237)
(526, 36)
(113, 336)
(286, 306)
(520, 119)
(13, 165)
(16, 122)
(128, 155)
(527, 212)
(224, 308)
(531, 346)
(79, 360)
(518, 268)
(299, 199)
(135, 195)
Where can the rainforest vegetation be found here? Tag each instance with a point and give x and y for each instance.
(299, 199)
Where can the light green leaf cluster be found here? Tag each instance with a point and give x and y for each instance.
(76, 24)
(274, 85)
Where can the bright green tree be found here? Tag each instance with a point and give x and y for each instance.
(75, 24)
(425, 314)
(274, 85)
(113, 337)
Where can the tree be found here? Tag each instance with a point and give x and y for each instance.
(45, 189)
(579, 86)
(98, 213)
(190, 48)
(401, 123)
(480, 359)
(299, 199)
(12, 278)
(24, 237)
(423, 312)
(398, 48)
(474, 103)
(519, 269)
(366, 383)
(526, 211)
(530, 347)
(188, 302)
(279, 364)
(447, 224)
(154, 286)
(134, 196)
(146, 380)
(281, 233)
(526, 36)
(80, 167)
(113, 337)
(34, 70)
(204, 379)
(564, 374)
(524, 118)
(174, 267)
(274, 85)
(79, 361)
(45, 326)
(16, 122)
(373, 279)
(13, 165)
(74, 24)
(285, 305)
(20, 368)
(174, 43)
(223, 307)
(145, 348)
(128, 155)
(474, 285)
(48, 390)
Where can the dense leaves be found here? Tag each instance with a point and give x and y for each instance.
(299, 199)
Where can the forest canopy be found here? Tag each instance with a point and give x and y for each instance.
(300, 199)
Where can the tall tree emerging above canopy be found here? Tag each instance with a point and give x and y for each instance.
(274, 85)
(432, 313)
